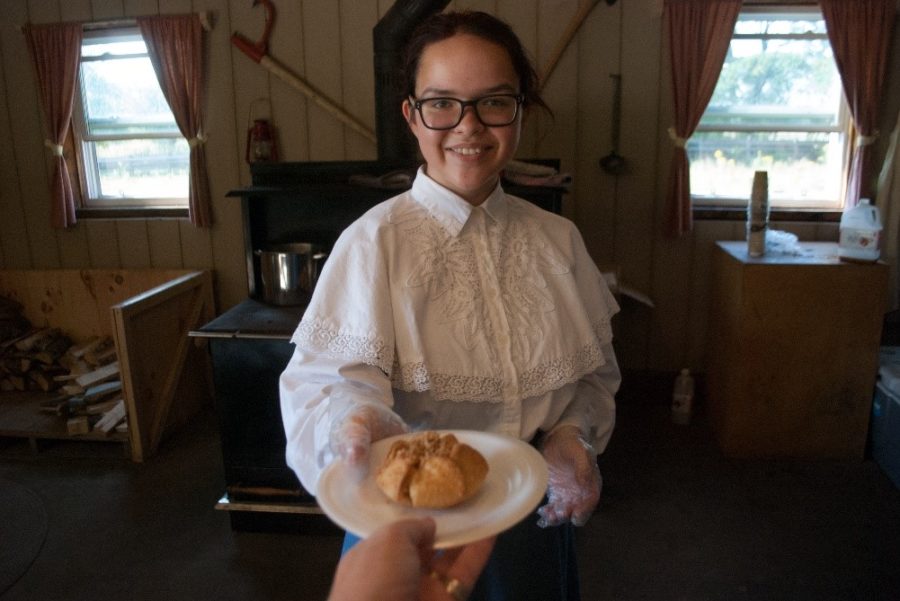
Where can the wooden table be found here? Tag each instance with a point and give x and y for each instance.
(793, 351)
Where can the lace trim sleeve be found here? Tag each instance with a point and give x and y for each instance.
(319, 337)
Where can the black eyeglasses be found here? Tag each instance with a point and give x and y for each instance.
(495, 110)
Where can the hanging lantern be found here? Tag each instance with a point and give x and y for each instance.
(261, 139)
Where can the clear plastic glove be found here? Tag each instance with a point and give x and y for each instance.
(356, 426)
(574, 484)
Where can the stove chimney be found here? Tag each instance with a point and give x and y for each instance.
(389, 36)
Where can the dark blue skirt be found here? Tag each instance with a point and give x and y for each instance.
(528, 563)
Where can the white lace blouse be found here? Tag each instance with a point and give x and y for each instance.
(492, 318)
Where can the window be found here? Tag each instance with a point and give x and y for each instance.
(779, 107)
(130, 152)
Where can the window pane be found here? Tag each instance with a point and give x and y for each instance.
(113, 45)
(120, 91)
(779, 82)
(155, 168)
(778, 106)
(804, 168)
(781, 23)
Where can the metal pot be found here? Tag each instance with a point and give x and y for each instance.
(289, 272)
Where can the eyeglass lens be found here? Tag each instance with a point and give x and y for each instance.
(444, 113)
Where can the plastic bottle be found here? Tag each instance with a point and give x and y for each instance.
(683, 397)
(860, 233)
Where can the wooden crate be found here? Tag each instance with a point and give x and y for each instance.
(166, 376)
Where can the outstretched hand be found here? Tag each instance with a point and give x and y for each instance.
(398, 562)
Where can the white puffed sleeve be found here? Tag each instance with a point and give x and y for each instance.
(344, 348)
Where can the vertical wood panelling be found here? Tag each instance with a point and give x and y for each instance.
(103, 243)
(75, 10)
(134, 243)
(556, 136)
(634, 210)
(28, 135)
(223, 245)
(165, 244)
(134, 8)
(13, 228)
(107, 9)
(328, 43)
(289, 105)
(170, 7)
(706, 233)
(358, 74)
(598, 57)
(322, 49)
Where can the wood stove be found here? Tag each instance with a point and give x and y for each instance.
(250, 343)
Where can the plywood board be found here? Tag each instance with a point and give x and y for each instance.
(151, 335)
(77, 301)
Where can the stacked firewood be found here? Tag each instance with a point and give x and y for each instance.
(84, 378)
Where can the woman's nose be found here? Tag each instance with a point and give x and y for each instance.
(470, 120)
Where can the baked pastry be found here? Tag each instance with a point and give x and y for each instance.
(431, 470)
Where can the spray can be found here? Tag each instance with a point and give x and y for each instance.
(683, 397)
(860, 233)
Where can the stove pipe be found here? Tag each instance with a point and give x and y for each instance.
(389, 36)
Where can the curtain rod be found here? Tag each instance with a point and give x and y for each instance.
(206, 21)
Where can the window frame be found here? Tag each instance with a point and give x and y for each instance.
(85, 158)
(707, 205)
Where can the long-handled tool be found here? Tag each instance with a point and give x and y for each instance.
(259, 52)
(614, 163)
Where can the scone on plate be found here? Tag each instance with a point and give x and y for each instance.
(431, 470)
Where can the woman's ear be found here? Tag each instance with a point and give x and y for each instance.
(409, 113)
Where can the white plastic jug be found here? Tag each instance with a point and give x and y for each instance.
(860, 233)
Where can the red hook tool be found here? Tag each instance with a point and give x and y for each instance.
(257, 50)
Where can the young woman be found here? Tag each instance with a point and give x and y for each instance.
(457, 306)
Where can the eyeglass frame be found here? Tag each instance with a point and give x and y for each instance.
(417, 104)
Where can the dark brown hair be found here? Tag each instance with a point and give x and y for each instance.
(441, 26)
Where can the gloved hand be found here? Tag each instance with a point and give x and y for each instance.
(356, 426)
(574, 484)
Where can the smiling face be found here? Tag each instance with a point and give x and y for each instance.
(468, 158)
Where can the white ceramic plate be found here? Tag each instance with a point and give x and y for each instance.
(515, 484)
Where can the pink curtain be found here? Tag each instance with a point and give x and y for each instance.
(699, 34)
(860, 33)
(175, 46)
(55, 50)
